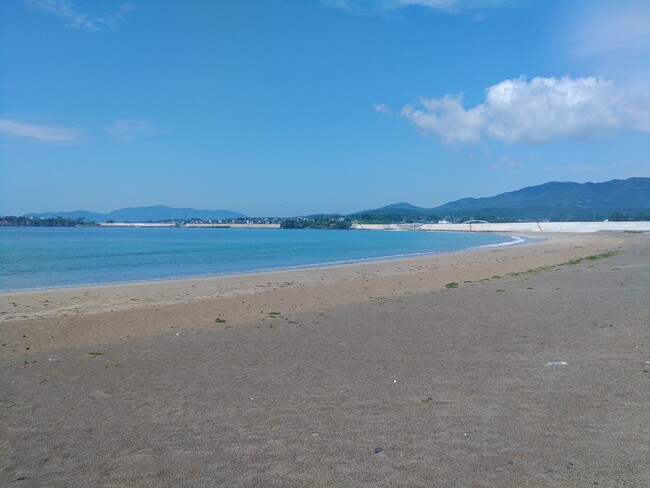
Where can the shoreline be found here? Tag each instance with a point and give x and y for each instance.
(304, 290)
(517, 239)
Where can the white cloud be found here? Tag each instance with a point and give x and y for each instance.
(40, 133)
(542, 110)
(446, 117)
(451, 6)
(127, 129)
(382, 108)
(454, 6)
(74, 19)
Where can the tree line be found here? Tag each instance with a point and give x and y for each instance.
(13, 221)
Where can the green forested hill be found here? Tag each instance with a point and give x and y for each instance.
(556, 201)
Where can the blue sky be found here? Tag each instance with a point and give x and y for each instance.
(293, 107)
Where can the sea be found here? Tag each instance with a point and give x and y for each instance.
(53, 257)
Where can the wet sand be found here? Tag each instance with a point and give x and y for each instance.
(295, 378)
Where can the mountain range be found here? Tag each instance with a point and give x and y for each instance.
(555, 201)
(156, 213)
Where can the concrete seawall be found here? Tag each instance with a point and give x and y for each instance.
(579, 227)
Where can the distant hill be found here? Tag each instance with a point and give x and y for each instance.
(557, 201)
(144, 214)
(397, 212)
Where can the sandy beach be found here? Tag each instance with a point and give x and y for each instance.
(427, 371)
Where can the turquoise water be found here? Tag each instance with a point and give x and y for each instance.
(32, 258)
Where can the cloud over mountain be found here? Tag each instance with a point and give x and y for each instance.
(535, 111)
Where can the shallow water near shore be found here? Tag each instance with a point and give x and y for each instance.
(34, 258)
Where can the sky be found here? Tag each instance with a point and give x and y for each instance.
(295, 107)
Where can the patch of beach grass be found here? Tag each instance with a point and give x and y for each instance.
(572, 262)
(602, 255)
(451, 285)
(593, 257)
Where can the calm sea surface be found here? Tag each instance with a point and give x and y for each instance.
(54, 257)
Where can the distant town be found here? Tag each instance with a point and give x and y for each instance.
(252, 222)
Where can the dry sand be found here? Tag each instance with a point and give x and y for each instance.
(295, 378)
